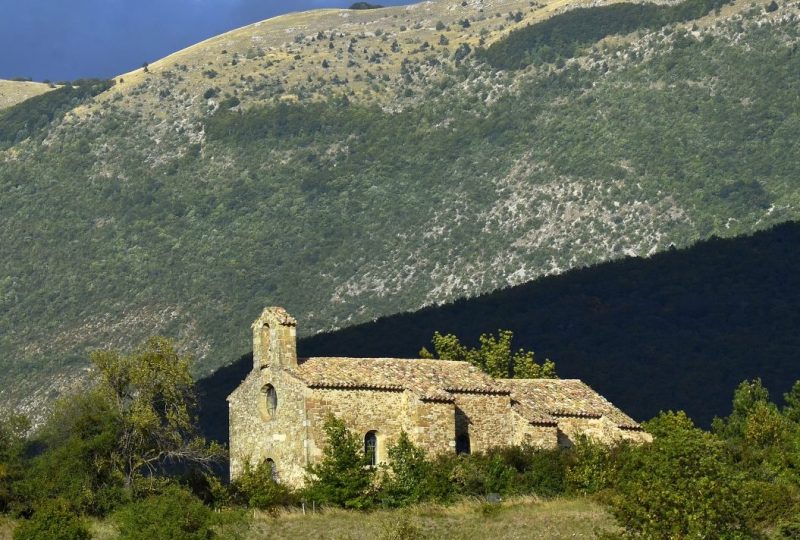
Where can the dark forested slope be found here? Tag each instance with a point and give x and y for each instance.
(678, 330)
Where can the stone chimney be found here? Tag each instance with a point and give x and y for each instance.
(274, 340)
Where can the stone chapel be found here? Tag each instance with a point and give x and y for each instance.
(277, 412)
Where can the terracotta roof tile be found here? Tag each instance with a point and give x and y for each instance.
(435, 380)
(565, 397)
(531, 414)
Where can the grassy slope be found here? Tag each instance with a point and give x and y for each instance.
(143, 213)
(283, 51)
(13, 92)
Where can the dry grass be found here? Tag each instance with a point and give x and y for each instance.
(285, 52)
(13, 92)
(6, 528)
(307, 56)
(320, 54)
(520, 518)
(103, 530)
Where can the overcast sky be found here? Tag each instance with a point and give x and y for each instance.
(69, 39)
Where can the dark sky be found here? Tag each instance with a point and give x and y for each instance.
(68, 39)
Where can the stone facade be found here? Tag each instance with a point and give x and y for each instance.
(278, 411)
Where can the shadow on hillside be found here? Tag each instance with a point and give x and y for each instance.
(678, 330)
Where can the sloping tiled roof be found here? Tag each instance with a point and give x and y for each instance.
(532, 414)
(538, 399)
(433, 380)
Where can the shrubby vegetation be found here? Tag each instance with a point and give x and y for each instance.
(35, 114)
(689, 483)
(364, 5)
(53, 519)
(174, 513)
(106, 447)
(563, 36)
(736, 480)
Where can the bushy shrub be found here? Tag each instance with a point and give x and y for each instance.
(481, 474)
(590, 466)
(12, 447)
(683, 485)
(539, 472)
(256, 488)
(767, 503)
(343, 477)
(52, 520)
(401, 529)
(406, 480)
(175, 514)
(76, 463)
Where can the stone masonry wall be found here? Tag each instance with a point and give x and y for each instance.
(434, 426)
(526, 434)
(488, 419)
(255, 436)
(385, 412)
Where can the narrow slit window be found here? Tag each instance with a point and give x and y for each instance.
(371, 447)
(269, 401)
(273, 470)
(462, 444)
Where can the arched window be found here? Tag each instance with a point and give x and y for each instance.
(371, 447)
(462, 444)
(273, 470)
(268, 402)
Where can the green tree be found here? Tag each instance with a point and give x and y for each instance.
(78, 464)
(494, 356)
(683, 485)
(343, 477)
(760, 438)
(590, 466)
(791, 409)
(98, 444)
(745, 399)
(151, 393)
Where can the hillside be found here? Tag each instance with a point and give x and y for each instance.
(14, 92)
(353, 164)
(676, 331)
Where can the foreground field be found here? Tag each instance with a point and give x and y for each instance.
(524, 518)
(518, 518)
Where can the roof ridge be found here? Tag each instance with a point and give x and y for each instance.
(437, 360)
